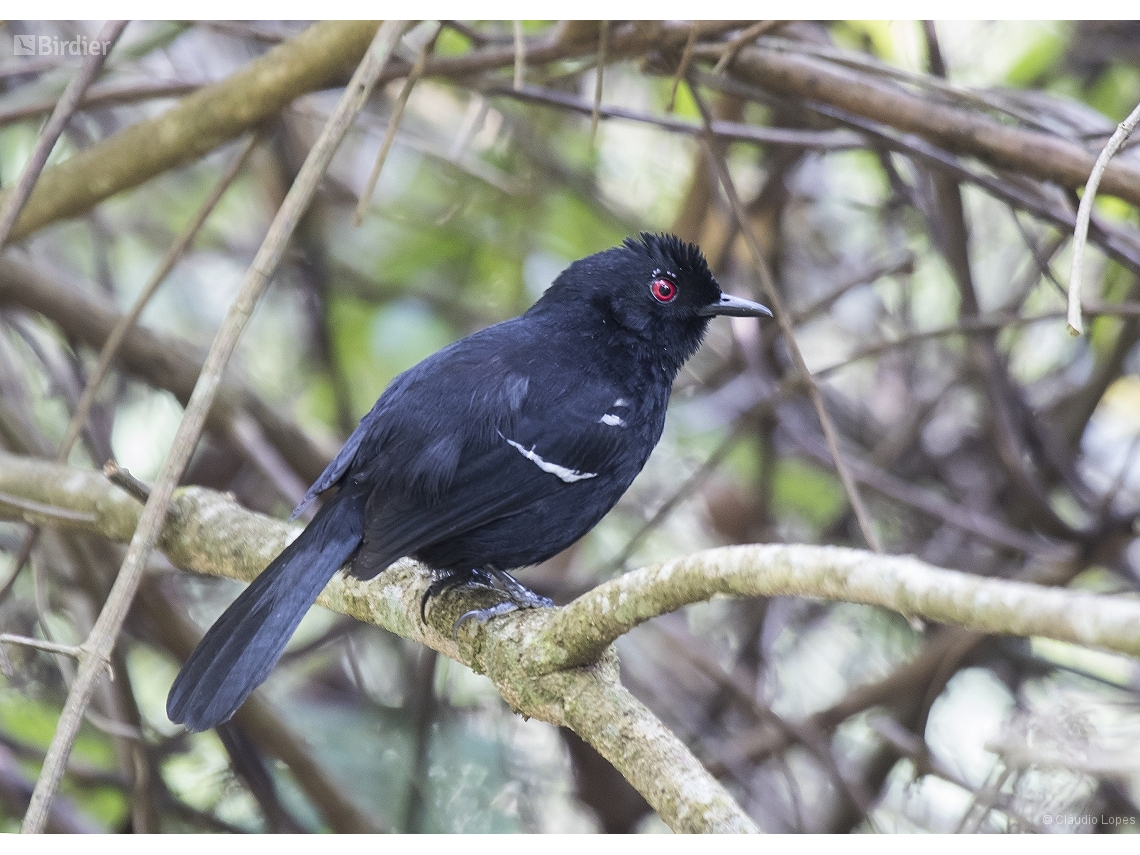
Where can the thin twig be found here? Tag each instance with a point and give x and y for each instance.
(783, 318)
(42, 510)
(125, 481)
(682, 69)
(603, 46)
(68, 103)
(468, 32)
(1041, 256)
(50, 646)
(114, 612)
(103, 96)
(974, 326)
(902, 263)
(126, 322)
(743, 40)
(473, 119)
(1084, 213)
(983, 798)
(31, 537)
(682, 492)
(248, 438)
(393, 124)
(735, 131)
(520, 53)
(29, 66)
(116, 337)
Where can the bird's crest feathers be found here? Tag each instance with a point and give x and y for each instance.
(670, 253)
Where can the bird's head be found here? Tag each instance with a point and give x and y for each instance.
(656, 286)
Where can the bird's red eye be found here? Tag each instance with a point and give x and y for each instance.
(663, 290)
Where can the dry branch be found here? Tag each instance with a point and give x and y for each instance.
(966, 132)
(1084, 213)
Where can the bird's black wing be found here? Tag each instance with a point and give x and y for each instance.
(486, 433)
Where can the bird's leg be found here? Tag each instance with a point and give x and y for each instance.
(443, 584)
(520, 594)
(520, 597)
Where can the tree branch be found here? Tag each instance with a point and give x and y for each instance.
(101, 641)
(897, 582)
(17, 197)
(555, 665)
(1041, 155)
(198, 124)
(211, 534)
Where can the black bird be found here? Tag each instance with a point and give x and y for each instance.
(497, 452)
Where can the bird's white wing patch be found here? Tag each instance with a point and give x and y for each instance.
(612, 420)
(567, 475)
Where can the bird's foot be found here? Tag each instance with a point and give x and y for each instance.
(520, 597)
(520, 594)
(477, 578)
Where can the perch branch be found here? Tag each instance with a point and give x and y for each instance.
(211, 534)
(546, 663)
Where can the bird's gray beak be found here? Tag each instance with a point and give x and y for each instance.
(736, 307)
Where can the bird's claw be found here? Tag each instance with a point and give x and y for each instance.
(483, 615)
(519, 598)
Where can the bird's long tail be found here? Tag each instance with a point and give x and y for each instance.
(243, 645)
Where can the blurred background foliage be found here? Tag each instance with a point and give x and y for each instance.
(818, 716)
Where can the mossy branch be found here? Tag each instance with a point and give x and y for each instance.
(198, 124)
(207, 532)
(556, 665)
(901, 583)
